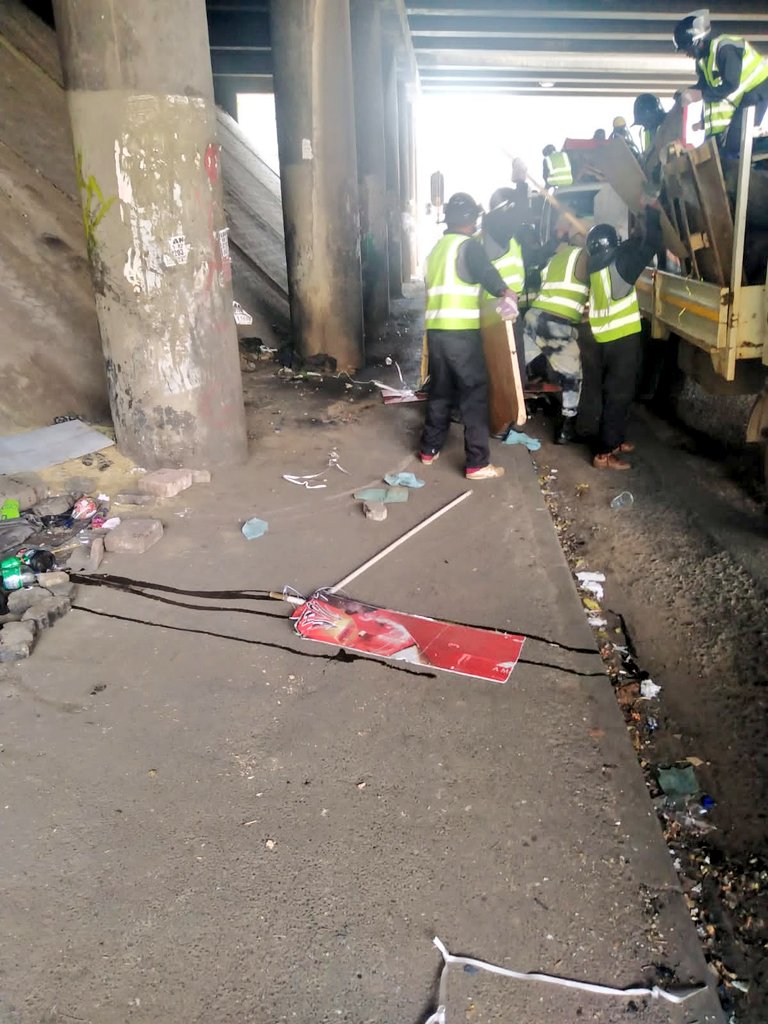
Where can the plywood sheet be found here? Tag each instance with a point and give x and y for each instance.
(621, 169)
(505, 390)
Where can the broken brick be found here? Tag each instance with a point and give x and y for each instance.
(134, 536)
(165, 483)
(46, 612)
(20, 600)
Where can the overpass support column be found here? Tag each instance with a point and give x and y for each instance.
(392, 140)
(312, 57)
(140, 94)
(407, 181)
(371, 163)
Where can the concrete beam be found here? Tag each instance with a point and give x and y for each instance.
(147, 162)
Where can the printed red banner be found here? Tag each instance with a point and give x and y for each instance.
(384, 633)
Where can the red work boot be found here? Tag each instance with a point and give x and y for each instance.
(485, 473)
(427, 459)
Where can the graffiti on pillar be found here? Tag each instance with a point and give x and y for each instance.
(212, 162)
(95, 206)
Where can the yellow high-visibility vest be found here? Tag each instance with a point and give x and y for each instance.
(558, 169)
(561, 292)
(718, 114)
(452, 304)
(609, 318)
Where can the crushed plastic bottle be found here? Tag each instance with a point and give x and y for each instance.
(690, 812)
(623, 500)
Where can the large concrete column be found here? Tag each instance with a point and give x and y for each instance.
(371, 163)
(138, 77)
(312, 57)
(407, 181)
(392, 140)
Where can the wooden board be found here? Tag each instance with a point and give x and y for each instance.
(671, 129)
(506, 403)
(621, 169)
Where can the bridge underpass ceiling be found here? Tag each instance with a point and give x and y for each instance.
(547, 47)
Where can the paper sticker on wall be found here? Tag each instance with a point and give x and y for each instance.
(179, 251)
(241, 316)
(306, 149)
(224, 243)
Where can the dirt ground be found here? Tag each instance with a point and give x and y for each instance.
(687, 581)
(202, 819)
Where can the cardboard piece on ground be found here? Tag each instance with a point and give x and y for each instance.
(38, 449)
(623, 172)
(505, 389)
(381, 632)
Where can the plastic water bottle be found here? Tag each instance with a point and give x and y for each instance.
(623, 500)
(16, 574)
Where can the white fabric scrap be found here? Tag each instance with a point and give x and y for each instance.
(592, 582)
(305, 481)
(676, 995)
(649, 689)
(596, 622)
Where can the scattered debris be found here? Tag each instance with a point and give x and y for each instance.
(125, 498)
(678, 781)
(592, 582)
(375, 510)
(306, 480)
(649, 690)
(254, 528)
(403, 480)
(382, 494)
(518, 437)
(623, 500)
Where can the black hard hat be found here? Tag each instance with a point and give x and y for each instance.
(461, 209)
(548, 150)
(647, 110)
(602, 243)
(691, 31)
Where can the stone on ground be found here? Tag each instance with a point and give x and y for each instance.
(134, 536)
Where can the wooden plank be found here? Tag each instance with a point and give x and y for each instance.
(621, 169)
(671, 130)
(506, 403)
(715, 207)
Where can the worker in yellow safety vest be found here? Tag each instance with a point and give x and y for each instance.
(649, 114)
(457, 271)
(614, 319)
(732, 75)
(557, 167)
(551, 328)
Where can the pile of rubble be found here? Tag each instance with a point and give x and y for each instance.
(45, 538)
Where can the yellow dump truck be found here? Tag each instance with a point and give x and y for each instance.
(717, 302)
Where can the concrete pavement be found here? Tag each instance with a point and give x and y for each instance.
(243, 832)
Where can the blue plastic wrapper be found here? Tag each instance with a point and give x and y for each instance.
(254, 528)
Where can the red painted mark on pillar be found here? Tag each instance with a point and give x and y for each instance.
(212, 162)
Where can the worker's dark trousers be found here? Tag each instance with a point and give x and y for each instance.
(457, 377)
(618, 363)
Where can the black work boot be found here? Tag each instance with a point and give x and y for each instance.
(565, 432)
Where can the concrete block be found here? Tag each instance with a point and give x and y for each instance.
(124, 498)
(200, 476)
(375, 510)
(62, 589)
(20, 600)
(46, 612)
(87, 558)
(51, 579)
(16, 640)
(165, 483)
(55, 506)
(134, 536)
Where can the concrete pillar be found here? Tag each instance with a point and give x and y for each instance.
(392, 138)
(225, 94)
(140, 93)
(312, 57)
(407, 181)
(371, 163)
